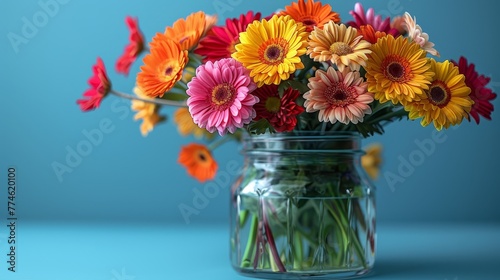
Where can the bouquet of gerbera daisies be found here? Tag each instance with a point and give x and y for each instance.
(298, 69)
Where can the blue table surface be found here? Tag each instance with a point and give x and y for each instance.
(90, 251)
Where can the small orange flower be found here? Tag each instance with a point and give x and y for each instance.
(311, 14)
(198, 161)
(163, 67)
(187, 32)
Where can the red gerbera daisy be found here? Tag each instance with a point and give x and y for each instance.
(99, 88)
(281, 112)
(220, 41)
(133, 49)
(480, 94)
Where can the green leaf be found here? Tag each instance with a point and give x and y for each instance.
(260, 127)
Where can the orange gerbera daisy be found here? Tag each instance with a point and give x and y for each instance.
(187, 32)
(163, 66)
(369, 33)
(311, 14)
(397, 70)
(198, 161)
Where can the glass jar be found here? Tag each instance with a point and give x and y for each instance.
(303, 206)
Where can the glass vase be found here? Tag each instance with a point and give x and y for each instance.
(302, 207)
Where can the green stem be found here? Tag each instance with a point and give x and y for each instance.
(297, 261)
(243, 218)
(353, 236)
(157, 101)
(339, 221)
(214, 145)
(250, 247)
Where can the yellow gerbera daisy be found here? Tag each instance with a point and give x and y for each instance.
(146, 111)
(372, 160)
(271, 49)
(339, 44)
(447, 100)
(397, 70)
(186, 126)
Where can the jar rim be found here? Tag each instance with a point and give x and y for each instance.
(304, 142)
(304, 134)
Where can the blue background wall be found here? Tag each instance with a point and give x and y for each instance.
(126, 177)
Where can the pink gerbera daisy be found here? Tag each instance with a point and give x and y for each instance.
(338, 96)
(99, 88)
(133, 49)
(480, 94)
(360, 19)
(219, 96)
(281, 112)
(220, 41)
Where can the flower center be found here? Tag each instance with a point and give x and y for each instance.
(340, 48)
(273, 51)
(396, 69)
(339, 95)
(169, 70)
(223, 95)
(273, 104)
(310, 23)
(202, 156)
(439, 94)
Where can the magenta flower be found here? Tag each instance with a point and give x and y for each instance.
(370, 18)
(219, 96)
(99, 88)
(133, 49)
